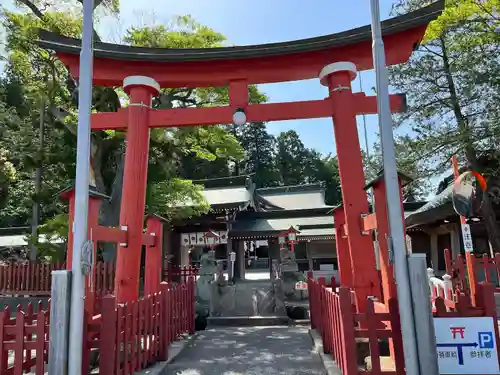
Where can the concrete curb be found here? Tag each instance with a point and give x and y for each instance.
(174, 350)
(329, 364)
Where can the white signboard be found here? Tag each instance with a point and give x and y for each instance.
(467, 237)
(301, 285)
(326, 267)
(466, 346)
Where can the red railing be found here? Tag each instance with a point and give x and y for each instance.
(487, 269)
(27, 278)
(179, 273)
(133, 336)
(340, 326)
(24, 341)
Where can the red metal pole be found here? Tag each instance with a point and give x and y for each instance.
(338, 78)
(471, 271)
(128, 260)
(152, 272)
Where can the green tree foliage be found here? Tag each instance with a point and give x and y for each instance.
(300, 165)
(408, 161)
(37, 87)
(260, 158)
(452, 86)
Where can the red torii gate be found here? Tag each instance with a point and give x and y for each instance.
(334, 59)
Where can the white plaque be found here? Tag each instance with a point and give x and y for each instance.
(300, 285)
(467, 238)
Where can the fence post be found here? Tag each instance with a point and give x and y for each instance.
(486, 300)
(164, 321)
(192, 304)
(348, 336)
(108, 345)
(424, 326)
(311, 290)
(59, 322)
(321, 323)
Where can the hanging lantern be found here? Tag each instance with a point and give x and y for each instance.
(281, 240)
(211, 238)
(292, 237)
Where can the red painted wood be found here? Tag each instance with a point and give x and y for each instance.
(109, 234)
(349, 354)
(40, 343)
(107, 342)
(179, 117)
(386, 268)
(371, 323)
(133, 201)
(365, 276)
(19, 344)
(154, 255)
(107, 72)
(126, 339)
(238, 93)
(343, 253)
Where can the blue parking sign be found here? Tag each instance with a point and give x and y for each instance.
(485, 340)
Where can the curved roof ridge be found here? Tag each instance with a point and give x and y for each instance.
(423, 16)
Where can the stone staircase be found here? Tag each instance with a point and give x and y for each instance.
(248, 303)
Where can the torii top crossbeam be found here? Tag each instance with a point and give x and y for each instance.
(256, 64)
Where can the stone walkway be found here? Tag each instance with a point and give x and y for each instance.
(249, 351)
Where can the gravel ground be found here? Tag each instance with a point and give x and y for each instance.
(249, 351)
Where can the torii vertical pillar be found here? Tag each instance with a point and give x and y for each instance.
(337, 77)
(128, 260)
(95, 200)
(386, 267)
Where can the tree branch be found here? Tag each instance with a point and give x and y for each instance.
(37, 12)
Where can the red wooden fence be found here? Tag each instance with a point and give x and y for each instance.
(27, 278)
(340, 325)
(179, 274)
(24, 341)
(487, 269)
(133, 336)
(35, 278)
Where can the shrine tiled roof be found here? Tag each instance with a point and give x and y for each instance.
(226, 193)
(298, 197)
(272, 227)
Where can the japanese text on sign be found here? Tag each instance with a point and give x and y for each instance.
(467, 238)
(466, 346)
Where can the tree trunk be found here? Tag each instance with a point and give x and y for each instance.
(111, 209)
(467, 143)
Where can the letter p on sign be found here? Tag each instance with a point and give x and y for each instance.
(485, 340)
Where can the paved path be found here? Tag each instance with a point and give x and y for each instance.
(249, 351)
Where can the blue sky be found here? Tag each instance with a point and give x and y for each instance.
(265, 21)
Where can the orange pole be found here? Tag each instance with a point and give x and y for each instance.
(365, 276)
(128, 259)
(471, 271)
